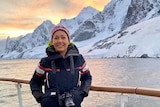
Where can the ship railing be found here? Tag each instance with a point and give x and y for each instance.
(115, 89)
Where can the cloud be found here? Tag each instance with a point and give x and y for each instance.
(28, 14)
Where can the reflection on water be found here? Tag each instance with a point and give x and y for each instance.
(106, 72)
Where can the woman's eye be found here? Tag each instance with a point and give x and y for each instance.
(55, 38)
(63, 37)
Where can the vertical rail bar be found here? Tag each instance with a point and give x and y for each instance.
(18, 85)
(123, 99)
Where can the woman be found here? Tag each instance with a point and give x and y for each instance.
(64, 73)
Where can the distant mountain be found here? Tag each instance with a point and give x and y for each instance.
(2, 45)
(74, 23)
(94, 32)
(17, 47)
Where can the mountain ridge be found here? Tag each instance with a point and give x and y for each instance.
(95, 26)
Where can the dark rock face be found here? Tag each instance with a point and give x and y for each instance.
(144, 56)
(137, 10)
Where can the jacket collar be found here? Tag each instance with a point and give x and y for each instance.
(71, 51)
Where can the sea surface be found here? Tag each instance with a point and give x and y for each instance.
(132, 72)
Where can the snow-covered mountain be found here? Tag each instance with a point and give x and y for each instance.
(114, 32)
(74, 23)
(140, 40)
(17, 47)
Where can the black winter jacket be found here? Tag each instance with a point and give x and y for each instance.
(61, 74)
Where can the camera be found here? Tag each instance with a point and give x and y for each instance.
(67, 99)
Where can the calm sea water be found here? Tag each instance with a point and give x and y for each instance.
(106, 72)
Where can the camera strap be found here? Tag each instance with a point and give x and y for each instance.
(72, 70)
(72, 65)
(53, 66)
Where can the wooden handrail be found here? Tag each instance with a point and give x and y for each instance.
(15, 80)
(116, 89)
(129, 90)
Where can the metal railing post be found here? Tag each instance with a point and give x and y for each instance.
(124, 99)
(18, 85)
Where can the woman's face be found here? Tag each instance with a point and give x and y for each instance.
(60, 42)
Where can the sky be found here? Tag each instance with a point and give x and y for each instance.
(19, 17)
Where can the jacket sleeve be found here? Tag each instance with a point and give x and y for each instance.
(36, 87)
(36, 83)
(86, 78)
